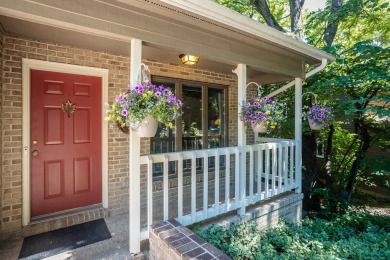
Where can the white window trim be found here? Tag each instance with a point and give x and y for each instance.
(28, 65)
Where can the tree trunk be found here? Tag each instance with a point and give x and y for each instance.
(333, 23)
(263, 8)
(296, 18)
(309, 172)
(328, 163)
(365, 139)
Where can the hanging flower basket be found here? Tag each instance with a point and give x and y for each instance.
(142, 106)
(314, 126)
(148, 127)
(262, 113)
(124, 129)
(260, 127)
(319, 117)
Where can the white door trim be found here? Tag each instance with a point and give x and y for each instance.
(28, 65)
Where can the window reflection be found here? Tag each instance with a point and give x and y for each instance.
(202, 126)
(192, 127)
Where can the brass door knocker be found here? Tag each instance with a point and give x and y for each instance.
(68, 107)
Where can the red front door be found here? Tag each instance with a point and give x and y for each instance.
(66, 161)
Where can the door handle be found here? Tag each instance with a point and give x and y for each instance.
(35, 153)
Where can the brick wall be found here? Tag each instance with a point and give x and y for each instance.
(16, 48)
(1, 123)
(268, 213)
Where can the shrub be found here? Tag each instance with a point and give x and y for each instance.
(355, 235)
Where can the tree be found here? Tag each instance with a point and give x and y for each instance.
(346, 22)
(338, 28)
(360, 79)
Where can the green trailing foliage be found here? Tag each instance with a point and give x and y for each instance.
(354, 235)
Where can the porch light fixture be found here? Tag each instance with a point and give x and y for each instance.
(188, 59)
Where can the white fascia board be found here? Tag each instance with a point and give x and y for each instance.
(213, 11)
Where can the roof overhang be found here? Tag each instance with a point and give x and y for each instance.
(200, 27)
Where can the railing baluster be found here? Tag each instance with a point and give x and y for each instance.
(259, 170)
(237, 179)
(280, 168)
(205, 183)
(150, 190)
(267, 166)
(285, 167)
(251, 165)
(165, 185)
(274, 169)
(216, 182)
(193, 187)
(292, 163)
(180, 188)
(227, 182)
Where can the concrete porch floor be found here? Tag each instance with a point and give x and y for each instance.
(115, 248)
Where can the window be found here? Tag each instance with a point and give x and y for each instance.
(203, 124)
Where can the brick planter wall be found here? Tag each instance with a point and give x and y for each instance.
(170, 240)
(268, 213)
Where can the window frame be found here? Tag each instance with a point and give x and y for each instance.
(179, 94)
(204, 86)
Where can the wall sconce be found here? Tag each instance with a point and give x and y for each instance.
(188, 59)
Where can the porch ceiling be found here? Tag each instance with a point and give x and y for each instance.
(49, 33)
(222, 38)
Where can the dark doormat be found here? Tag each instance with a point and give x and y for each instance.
(64, 239)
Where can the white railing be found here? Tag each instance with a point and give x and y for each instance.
(270, 170)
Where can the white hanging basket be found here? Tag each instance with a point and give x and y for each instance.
(314, 126)
(148, 127)
(260, 128)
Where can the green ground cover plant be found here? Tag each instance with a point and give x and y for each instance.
(355, 235)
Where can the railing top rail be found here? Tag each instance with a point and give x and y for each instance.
(183, 155)
(189, 154)
(272, 140)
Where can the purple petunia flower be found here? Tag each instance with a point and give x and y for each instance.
(158, 94)
(124, 112)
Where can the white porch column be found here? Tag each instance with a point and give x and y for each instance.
(134, 158)
(241, 80)
(298, 133)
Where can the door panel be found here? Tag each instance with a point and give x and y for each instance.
(82, 175)
(53, 125)
(82, 126)
(54, 179)
(66, 171)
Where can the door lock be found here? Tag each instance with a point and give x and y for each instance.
(35, 153)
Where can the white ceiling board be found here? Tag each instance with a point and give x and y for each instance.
(88, 41)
